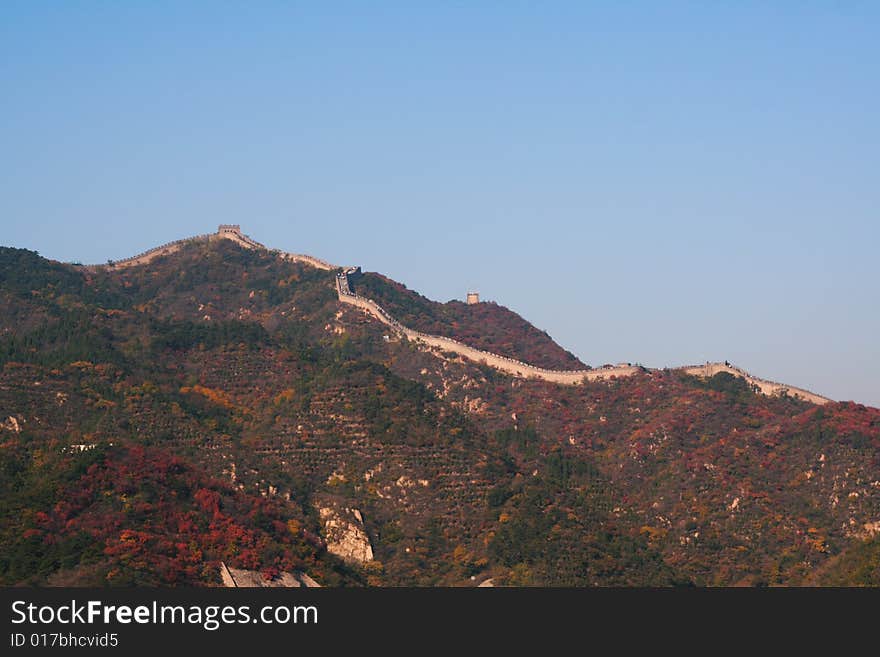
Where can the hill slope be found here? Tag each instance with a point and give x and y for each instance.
(219, 392)
(486, 326)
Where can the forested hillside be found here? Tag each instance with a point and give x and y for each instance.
(485, 325)
(205, 407)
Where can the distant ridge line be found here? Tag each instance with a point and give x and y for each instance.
(502, 363)
(565, 377)
(230, 232)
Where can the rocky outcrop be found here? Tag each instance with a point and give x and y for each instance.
(345, 534)
(239, 578)
(12, 423)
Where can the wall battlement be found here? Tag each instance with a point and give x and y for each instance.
(769, 388)
(565, 377)
(230, 232)
(502, 363)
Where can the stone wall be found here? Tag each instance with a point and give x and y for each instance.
(502, 363)
(497, 361)
(565, 377)
(165, 249)
(766, 387)
(225, 231)
(309, 260)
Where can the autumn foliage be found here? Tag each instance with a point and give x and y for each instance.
(156, 520)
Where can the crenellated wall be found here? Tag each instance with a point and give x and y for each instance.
(230, 232)
(309, 260)
(502, 363)
(767, 387)
(146, 256)
(566, 377)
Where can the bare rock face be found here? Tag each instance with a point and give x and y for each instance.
(12, 423)
(871, 529)
(345, 534)
(239, 578)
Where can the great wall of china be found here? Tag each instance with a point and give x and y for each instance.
(502, 363)
(565, 377)
(765, 386)
(230, 232)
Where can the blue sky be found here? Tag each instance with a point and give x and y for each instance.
(663, 183)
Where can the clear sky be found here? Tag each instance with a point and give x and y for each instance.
(656, 182)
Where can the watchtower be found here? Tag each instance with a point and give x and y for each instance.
(229, 228)
(473, 298)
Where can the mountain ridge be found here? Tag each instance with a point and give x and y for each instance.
(504, 363)
(238, 371)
